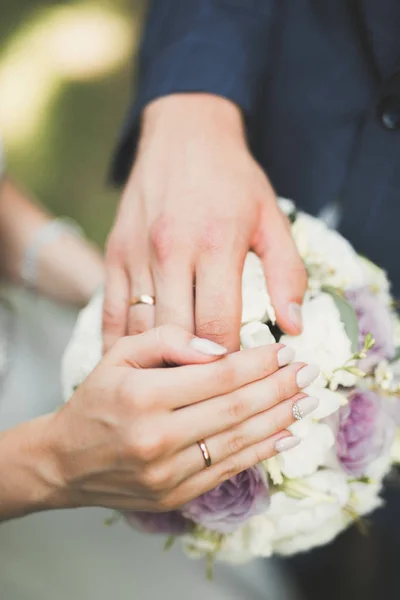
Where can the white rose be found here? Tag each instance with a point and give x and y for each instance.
(375, 278)
(321, 536)
(255, 334)
(329, 401)
(301, 523)
(365, 497)
(330, 258)
(85, 347)
(256, 301)
(323, 342)
(260, 531)
(379, 468)
(304, 460)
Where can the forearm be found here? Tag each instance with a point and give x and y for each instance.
(28, 480)
(198, 110)
(19, 218)
(219, 48)
(67, 269)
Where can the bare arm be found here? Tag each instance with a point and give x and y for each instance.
(68, 269)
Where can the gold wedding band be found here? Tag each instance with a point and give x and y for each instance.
(142, 299)
(204, 450)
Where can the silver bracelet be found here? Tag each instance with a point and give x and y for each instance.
(47, 234)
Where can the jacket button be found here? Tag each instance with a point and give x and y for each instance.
(389, 112)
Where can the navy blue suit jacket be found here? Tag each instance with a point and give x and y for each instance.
(319, 84)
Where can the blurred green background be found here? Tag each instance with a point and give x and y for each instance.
(66, 76)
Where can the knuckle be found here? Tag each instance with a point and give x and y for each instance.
(155, 479)
(135, 392)
(232, 468)
(146, 445)
(257, 456)
(168, 502)
(277, 389)
(113, 315)
(237, 409)
(212, 238)
(127, 393)
(162, 238)
(138, 326)
(226, 373)
(115, 248)
(214, 329)
(274, 424)
(236, 443)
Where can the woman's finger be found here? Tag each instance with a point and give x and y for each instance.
(160, 347)
(180, 387)
(252, 431)
(208, 479)
(219, 414)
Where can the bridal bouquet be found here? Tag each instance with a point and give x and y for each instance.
(305, 496)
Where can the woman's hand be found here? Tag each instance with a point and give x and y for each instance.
(68, 269)
(128, 437)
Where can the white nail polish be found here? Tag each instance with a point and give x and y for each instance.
(207, 347)
(306, 375)
(294, 314)
(285, 356)
(287, 443)
(304, 407)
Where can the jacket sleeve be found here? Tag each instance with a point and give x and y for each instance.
(214, 46)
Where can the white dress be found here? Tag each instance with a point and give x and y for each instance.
(72, 554)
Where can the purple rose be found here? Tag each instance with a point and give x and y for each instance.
(373, 317)
(366, 432)
(172, 522)
(231, 503)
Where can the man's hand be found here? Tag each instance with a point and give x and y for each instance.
(195, 203)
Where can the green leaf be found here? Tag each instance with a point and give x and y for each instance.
(169, 542)
(355, 371)
(347, 315)
(397, 354)
(369, 341)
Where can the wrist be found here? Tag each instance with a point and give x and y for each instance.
(28, 474)
(192, 113)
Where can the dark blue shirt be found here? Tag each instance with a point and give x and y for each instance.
(319, 84)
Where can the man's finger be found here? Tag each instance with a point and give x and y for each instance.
(284, 270)
(218, 303)
(174, 295)
(141, 316)
(115, 305)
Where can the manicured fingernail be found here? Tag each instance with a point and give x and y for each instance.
(285, 356)
(304, 407)
(207, 347)
(287, 443)
(294, 314)
(306, 375)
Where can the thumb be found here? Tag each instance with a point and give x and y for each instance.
(284, 270)
(168, 345)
